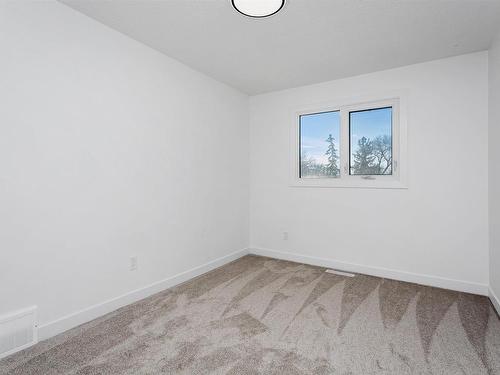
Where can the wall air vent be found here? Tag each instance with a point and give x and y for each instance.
(18, 331)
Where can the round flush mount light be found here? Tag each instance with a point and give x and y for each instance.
(258, 8)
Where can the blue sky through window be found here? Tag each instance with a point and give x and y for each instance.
(314, 130)
(370, 124)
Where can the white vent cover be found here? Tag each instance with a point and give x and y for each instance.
(341, 273)
(18, 331)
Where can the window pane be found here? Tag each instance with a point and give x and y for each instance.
(319, 145)
(370, 133)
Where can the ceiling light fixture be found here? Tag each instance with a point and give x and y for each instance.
(258, 8)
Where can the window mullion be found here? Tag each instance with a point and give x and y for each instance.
(344, 142)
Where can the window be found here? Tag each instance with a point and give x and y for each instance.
(319, 145)
(350, 145)
(370, 142)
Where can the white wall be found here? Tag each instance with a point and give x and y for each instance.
(109, 149)
(437, 228)
(494, 162)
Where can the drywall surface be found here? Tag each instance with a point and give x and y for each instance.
(109, 150)
(494, 163)
(437, 229)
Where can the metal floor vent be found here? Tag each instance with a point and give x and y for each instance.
(18, 331)
(341, 273)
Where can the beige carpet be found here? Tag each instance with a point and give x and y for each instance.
(264, 316)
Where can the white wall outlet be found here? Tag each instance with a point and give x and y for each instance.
(285, 236)
(133, 263)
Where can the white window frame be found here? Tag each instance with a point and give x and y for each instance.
(398, 179)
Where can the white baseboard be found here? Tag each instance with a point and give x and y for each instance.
(60, 325)
(436, 281)
(495, 301)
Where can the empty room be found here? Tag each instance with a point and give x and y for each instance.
(249, 187)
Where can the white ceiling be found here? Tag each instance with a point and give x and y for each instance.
(309, 41)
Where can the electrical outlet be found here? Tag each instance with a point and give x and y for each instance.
(133, 263)
(285, 236)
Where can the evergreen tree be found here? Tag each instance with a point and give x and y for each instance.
(364, 158)
(332, 168)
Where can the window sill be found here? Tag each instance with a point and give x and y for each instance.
(351, 182)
